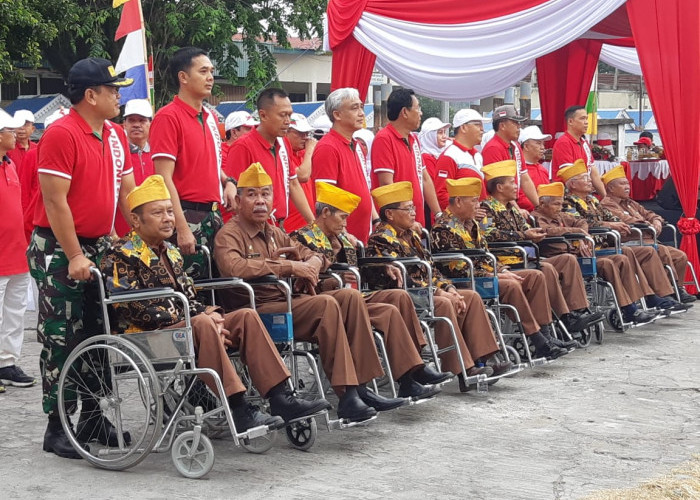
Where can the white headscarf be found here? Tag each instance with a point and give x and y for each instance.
(368, 137)
(428, 136)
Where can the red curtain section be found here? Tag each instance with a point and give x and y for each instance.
(343, 16)
(616, 24)
(667, 35)
(352, 66)
(564, 78)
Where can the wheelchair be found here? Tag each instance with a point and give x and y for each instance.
(141, 382)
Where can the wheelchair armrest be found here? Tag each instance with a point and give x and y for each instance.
(640, 225)
(575, 236)
(153, 291)
(552, 239)
(339, 266)
(209, 282)
(269, 279)
(599, 230)
(365, 261)
(502, 244)
(449, 255)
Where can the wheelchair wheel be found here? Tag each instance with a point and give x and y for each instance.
(520, 348)
(599, 332)
(192, 459)
(584, 336)
(302, 434)
(260, 444)
(513, 355)
(614, 320)
(112, 375)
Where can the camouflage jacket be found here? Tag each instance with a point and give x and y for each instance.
(450, 234)
(132, 265)
(386, 242)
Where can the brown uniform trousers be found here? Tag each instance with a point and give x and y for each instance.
(247, 335)
(649, 269)
(392, 313)
(339, 323)
(474, 335)
(564, 283)
(526, 296)
(677, 259)
(619, 271)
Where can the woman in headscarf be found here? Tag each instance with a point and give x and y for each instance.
(433, 139)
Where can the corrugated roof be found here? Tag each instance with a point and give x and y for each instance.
(40, 105)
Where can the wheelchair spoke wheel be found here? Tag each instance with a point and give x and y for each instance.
(110, 381)
(302, 434)
(614, 320)
(193, 458)
(260, 444)
(599, 332)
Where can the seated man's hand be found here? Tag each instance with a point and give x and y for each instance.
(306, 271)
(457, 300)
(223, 332)
(291, 253)
(303, 285)
(480, 213)
(417, 227)
(658, 227)
(395, 273)
(586, 249)
(524, 213)
(508, 275)
(535, 234)
(620, 226)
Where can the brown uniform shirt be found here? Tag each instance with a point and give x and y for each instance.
(562, 224)
(630, 211)
(244, 251)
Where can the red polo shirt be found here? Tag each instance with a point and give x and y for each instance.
(29, 180)
(335, 161)
(447, 168)
(567, 150)
(294, 219)
(143, 167)
(539, 176)
(14, 243)
(18, 154)
(393, 154)
(252, 148)
(94, 166)
(179, 132)
(499, 150)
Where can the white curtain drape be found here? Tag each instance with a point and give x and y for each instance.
(460, 62)
(624, 58)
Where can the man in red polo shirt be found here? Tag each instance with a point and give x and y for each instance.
(236, 125)
(461, 159)
(573, 146)
(396, 154)
(337, 159)
(23, 133)
(504, 146)
(303, 146)
(14, 274)
(186, 151)
(266, 144)
(84, 173)
(532, 142)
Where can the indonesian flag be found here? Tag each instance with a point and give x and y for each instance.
(592, 107)
(132, 58)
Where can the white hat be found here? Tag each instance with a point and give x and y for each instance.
(433, 124)
(533, 132)
(25, 115)
(9, 121)
(468, 115)
(298, 122)
(322, 123)
(239, 119)
(558, 135)
(139, 107)
(59, 113)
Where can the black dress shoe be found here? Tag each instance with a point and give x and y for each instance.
(686, 298)
(289, 407)
(410, 388)
(425, 375)
(640, 317)
(575, 321)
(56, 441)
(501, 367)
(379, 403)
(550, 351)
(93, 426)
(352, 408)
(247, 416)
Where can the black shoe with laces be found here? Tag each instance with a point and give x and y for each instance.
(286, 405)
(550, 351)
(410, 388)
(14, 375)
(247, 416)
(56, 441)
(640, 317)
(379, 403)
(425, 375)
(686, 298)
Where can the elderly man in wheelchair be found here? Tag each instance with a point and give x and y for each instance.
(145, 259)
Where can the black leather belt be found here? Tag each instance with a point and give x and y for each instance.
(46, 232)
(199, 207)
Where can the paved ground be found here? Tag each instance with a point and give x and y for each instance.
(607, 416)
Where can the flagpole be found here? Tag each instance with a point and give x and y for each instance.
(145, 55)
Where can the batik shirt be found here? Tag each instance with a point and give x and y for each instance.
(132, 265)
(589, 208)
(385, 241)
(451, 234)
(504, 223)
(312, 237)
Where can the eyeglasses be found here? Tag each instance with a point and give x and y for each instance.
(407, 209)
(8, 131)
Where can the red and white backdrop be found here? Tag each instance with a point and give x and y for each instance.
(467, 50)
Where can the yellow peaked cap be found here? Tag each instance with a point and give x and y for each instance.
(579, 167)
(506, 168)
(336, 197)
(393, 193)
(152, 188)
(553, 189)
(254, 176)
(612, 174)
(468, 186)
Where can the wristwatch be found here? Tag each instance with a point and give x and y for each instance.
(231, 180)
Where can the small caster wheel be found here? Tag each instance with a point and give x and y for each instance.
(193, 457)
(614, 320)
(302, 434)
(599, 332)
(260, 444)
(513, 355)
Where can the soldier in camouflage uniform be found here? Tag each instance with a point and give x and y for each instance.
(390, 311)
(83, 160)
(648, 266)
(504, 222)
(394, 237)
(455, 229)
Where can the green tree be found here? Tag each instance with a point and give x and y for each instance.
(87, 29)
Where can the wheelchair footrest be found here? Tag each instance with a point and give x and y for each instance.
(540, 362)
(255, 432)
(342, 423)
(307, 417)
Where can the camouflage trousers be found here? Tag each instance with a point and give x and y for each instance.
(69, 310)
(204, 226)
